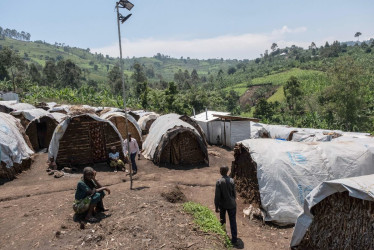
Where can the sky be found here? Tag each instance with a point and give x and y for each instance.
(236, 29)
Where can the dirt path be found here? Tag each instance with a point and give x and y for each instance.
(35, 211)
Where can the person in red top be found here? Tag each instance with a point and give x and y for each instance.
(134, 149)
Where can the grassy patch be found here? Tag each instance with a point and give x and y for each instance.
(277, 96)
(206, 220)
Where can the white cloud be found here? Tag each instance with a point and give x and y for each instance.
(243, 46)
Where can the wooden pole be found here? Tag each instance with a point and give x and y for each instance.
(124, 93)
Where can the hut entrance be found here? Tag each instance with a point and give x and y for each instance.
(183, 149)
(97, 141)
(41, 131)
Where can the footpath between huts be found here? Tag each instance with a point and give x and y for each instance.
(36, 211)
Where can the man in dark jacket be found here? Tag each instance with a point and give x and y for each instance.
(224, 200)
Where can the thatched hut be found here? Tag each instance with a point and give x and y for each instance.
(338, 214)
(145, 122)
(119, 120)
(15, 153)
(172, 141)
(84, 139)
(277, 175)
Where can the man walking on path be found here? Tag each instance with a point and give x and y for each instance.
(224, 200)
(134, 148)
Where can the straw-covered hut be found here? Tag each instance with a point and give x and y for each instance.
(145, 122)
(277, 175)
(15, 152)
(337, 214)
(84, 139)
(119, 120)
(172, 141)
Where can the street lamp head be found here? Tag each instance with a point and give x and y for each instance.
(125, 4)
(124, 18)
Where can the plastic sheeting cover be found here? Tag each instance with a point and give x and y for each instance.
(158, 129)
(13, 147)
(60, 131)
(358, 187)
(288, 171)
(131, 119)
(144, 119)
(310, 137)
(31, 114)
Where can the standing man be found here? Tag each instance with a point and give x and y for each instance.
(224, 200)
(134, 148)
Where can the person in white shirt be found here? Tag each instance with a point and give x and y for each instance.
(134, 149)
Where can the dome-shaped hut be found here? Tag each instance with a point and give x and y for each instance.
(39, 125)
(172, 141)
(84, 139)
(145, 122)
(15, 151)
(119, 120)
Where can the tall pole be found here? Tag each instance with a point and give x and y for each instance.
(124, 94)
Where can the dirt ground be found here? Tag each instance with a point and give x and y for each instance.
(36, 211)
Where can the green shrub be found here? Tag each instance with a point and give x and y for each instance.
(206, 220)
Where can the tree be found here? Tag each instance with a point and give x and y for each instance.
(34, 73)
(194, 77)
(50, 73)
(115, 80)
(138, 78)
(348, 95)
(274, 47)
(171, 93)
(264, 110)
(13, 63)
(358, 34)
(233, 102)
(293, 94)
(68, 74)
(231, 70)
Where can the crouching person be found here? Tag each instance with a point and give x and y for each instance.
(115, 162)
(89, 195)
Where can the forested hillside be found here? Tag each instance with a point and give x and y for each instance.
(328, 87)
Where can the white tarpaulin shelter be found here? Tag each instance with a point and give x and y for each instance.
(9, 106)
(358, 187)
(62, 127)
(310, 137)
(59, 117)
(13, 146)
(162, 134)
(146, 119)
(31, 114)
(288, 171)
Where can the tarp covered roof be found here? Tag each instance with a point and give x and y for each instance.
(288, 171)
(31, 114)
(13, 147)
(61, 128)
(129, 118)
(144, 119)
(158, 129)
(361, 187)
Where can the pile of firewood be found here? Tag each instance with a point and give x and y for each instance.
(341, 222)
(244, 171)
